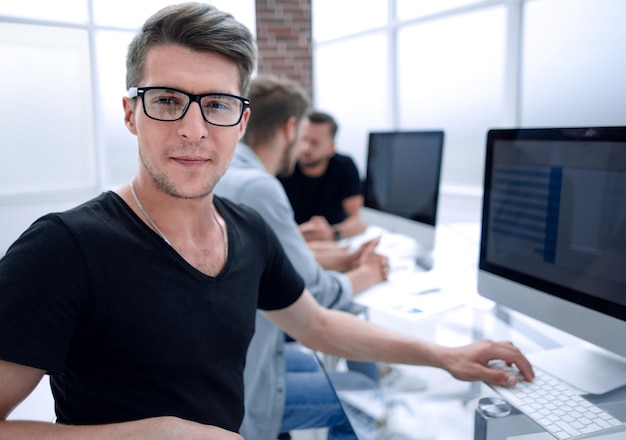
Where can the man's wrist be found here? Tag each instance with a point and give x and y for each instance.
(336, 233)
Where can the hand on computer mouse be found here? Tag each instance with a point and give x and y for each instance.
(471, 362)
(514, 374)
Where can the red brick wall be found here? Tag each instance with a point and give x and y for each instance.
(284, 39)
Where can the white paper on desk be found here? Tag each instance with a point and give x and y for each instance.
(410, 295)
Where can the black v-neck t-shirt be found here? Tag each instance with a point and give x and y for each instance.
(125, 326)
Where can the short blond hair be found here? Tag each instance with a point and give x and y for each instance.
(199, 27)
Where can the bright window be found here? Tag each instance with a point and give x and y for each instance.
(46, 120)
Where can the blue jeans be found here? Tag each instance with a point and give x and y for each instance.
(311, 401)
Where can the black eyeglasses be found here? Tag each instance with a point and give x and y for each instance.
(167, 104)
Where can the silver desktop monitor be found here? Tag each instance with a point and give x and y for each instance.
(553, 243)
(401, 187)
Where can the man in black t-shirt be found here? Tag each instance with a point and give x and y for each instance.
(140, 303)
(325, 188)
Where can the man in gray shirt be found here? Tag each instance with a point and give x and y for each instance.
(269, 148)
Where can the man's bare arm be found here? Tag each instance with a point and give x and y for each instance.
(345, 335)
(352, 225)
(318, 228)
(18, 381)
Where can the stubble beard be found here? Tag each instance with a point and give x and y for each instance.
(313, 164)
(167, 186)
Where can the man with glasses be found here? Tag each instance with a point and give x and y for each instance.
(140, 304)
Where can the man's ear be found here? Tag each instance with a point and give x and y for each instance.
(243, 124)
(290, 127)
(129, 114)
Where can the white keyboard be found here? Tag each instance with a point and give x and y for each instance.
(556, 406)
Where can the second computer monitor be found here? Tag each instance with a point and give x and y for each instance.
(401, 186)
(553, 243)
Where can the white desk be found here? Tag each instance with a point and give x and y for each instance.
(444, 409)
(411, 295)
(454, 315)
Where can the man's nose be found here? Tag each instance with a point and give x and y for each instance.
(193, 126)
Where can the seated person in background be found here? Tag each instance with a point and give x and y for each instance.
(325, 187)
(269, 148)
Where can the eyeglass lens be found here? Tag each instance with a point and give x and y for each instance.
(170, 105)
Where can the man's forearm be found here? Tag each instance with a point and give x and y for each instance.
(347, 336)
(350, 226)
(344, 335)
(339, 260)
(159, 428)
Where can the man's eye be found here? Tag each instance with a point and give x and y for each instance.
(166, 100)
(218, 106)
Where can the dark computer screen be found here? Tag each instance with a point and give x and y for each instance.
(554, 213)
(403, 172)
(553, 243)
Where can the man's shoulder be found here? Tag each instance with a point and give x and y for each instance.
(343, 157)
(342, 165)
(91, 225)
(247, 206)
(343, 161)
(106, 205)
(235, 210)
(238, 177)
(246, 185)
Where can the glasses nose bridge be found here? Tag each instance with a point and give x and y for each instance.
(197, 99)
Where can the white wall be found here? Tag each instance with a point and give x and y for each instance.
(466, 66)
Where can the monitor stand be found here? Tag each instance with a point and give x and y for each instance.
(424, 262)
(584, 366)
